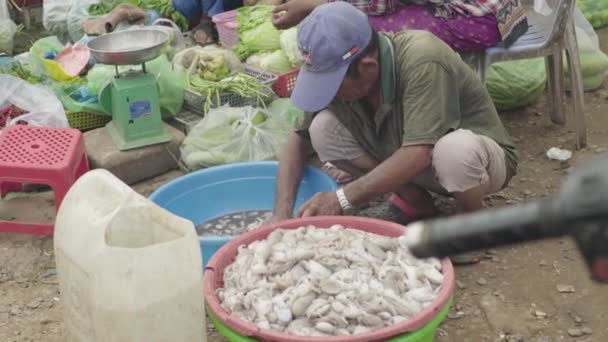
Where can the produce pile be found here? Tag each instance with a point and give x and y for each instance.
(262, 45)
(164, 7)
(321, 282)
(213, 72)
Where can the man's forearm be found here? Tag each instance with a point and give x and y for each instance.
(397, 170)
(291, 165)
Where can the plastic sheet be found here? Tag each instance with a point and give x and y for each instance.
(42, 106)
(229, 135)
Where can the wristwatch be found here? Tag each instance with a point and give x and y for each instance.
(344, 203)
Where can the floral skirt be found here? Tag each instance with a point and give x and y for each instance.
(462, 33)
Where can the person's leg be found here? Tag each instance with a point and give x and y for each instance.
(335, 144)
(469, 166)
(461, 33)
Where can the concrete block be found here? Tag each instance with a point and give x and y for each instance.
(135, 165)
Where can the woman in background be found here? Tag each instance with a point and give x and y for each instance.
(465, 25)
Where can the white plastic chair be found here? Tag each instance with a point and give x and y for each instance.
(548, 36)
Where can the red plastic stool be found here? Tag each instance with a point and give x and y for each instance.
(40, 155)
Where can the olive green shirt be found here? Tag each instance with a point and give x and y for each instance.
(427, 92)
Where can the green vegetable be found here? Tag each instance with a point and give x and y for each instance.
(516, 84)
(289, 45)
(263, 38)
(17, 69)
(275, 62)
(250, 17)
(164, 7)
(596, 11)
(240, 84)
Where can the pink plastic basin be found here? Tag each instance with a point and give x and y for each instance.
(214, 273)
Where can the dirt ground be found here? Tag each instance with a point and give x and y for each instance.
(512, 295)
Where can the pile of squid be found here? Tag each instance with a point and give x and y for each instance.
(322, 282)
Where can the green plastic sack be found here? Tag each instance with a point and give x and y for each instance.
(596, 11)
(171, 82)
(516, 84)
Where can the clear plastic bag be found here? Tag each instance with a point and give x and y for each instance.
(55, 17)
(42, 106)
(7, 30)
(230, 135)
(187, 58)
(177, 42)
(594, 62)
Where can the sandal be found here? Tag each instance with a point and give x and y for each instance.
(404, 213)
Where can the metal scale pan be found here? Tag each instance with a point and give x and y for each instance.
(130, 47)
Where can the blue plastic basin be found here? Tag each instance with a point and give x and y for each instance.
(217, 191)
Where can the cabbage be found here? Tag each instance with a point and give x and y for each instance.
(250, 17)
(274, 62)
(263, 38)
(516, 84)
(289, 45)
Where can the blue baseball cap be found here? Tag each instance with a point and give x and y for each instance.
(330, 38)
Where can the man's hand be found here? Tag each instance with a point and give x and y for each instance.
(321, 204)
(293, 12)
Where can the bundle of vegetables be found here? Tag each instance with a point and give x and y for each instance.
(596, 11)
(256, 32)
(164, 7)
(240, 84)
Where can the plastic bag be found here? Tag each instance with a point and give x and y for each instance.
(171, 81)
(42, 106)
(516, 84)
(187, 57)
(55, 17)
(594, 63)
(50, 47)
(596, 11)
(7, 30)
(230, 135)
(78, 13)
(283, 107)
(177, 42)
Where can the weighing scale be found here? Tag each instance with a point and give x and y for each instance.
(132, 97)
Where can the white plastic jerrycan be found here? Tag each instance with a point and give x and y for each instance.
(129, 271)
